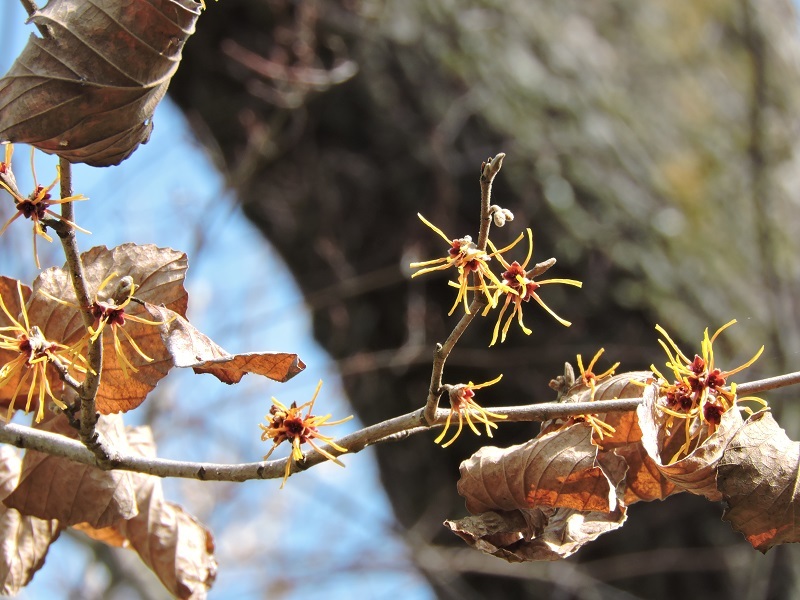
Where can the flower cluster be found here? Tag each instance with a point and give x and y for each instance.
(287, 423)
(462, 405)
(516, 283)
(697, 396)
(34, 353)
(111, 312)
(36, 206)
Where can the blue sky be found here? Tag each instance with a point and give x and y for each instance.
(169, 194)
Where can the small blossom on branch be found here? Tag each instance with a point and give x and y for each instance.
(518, 286)
(34, 353)
(697, 396)
(467, 258)
(37, 205)
(287, 423)
(590, 380)
(462, 404)
(111, 312)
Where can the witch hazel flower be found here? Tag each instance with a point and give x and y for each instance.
(35, 206)
(698, 394)
(33, 355)
(518, 286)
(465, 256)
(289, 424)
(111, 312)
(590, 379)
(464, 407)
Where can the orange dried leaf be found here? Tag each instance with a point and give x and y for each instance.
(51, 487)
(192, 349)
(88, 92)
(107, 535)
(158, 274)
(758, 478)
(557, 469)
(25, 539)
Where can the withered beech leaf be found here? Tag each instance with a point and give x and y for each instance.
(158, 274)
(557, 469)
(643, 480)
(88, 92)
(24, 540)
(108, 535)
(535, 534)
(758, 478)
(51, 487)
(177, 547)
(697, 472)
(191, 348)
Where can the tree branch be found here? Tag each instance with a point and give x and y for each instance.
(88, 390)
(489, 170)
(390, 430)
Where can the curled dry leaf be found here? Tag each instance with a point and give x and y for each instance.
(51, 487)
(697, 472)
(535, 534)
(758, 479)
(643, 480)
(158, 274)
(25, 539)
(88, 91)
(177, 547)
(191, 348)
(557, 469)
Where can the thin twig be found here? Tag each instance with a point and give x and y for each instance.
(88, 390)
(31, 8)
(489, 170)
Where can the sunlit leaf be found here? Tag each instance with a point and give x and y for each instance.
(51, 487)
(25, 539)
(192, 349)
(758, 477)
(88, 92)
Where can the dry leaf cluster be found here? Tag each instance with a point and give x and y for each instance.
(45, 494)
(545, 499)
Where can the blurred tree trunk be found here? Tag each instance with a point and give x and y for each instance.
(650, 146)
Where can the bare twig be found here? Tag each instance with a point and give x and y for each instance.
(489, 170)
(88, 390)
(30, 8)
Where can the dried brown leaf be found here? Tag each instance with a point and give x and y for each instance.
(25, 539)
(535, 534)
(158, 274)
(697, 472)
(107, 535)
(51, 487)
(88, 92)
(557, 469)
(643, 480)
(177, 547)
(758, 478)
(191, 348)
